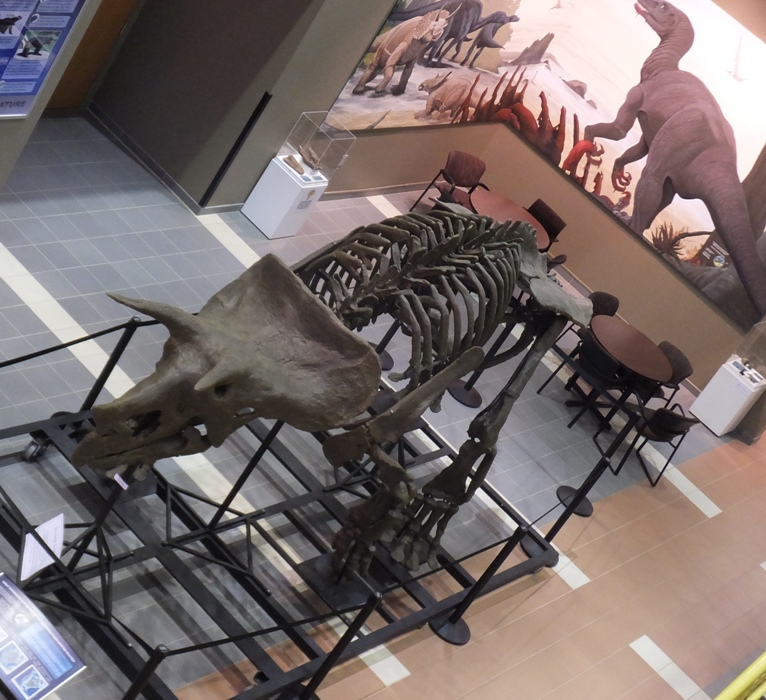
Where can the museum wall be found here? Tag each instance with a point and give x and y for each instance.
(310, 81)
(190, 75)
(14, 133)
(197, 75)
(601, 253)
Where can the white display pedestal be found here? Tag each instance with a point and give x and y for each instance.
(728, 396)
(282, 199)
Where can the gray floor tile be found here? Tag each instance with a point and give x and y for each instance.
(61, 255)
(32, 258)
(85, 223)
(83, 281)
(11, 235)
(13, 208)
(111, 222)
(62, 227)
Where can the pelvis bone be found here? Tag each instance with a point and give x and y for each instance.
(263, 346)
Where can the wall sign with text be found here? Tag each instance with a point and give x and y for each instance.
(35, 660)
(32, 33)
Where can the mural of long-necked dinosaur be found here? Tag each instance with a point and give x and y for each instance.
(658, 119)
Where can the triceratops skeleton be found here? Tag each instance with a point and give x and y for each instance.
(448, 276)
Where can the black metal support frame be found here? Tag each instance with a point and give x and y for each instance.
(88, 557)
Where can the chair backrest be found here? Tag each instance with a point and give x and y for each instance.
(595, 362)
(604, 304)
(664, 424)
(682, 367)
(463, 169)
(550, 220)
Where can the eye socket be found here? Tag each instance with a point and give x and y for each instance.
(220, 390)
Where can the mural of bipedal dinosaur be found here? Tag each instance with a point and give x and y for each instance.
(402, 46)
(487, 27)
(689, 146)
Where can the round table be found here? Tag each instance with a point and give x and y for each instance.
(631, 348)
(501, 208)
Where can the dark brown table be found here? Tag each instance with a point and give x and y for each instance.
(500, 208)
(631, 348)
(636, 353)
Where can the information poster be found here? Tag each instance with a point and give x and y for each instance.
(31, 35)
(34, 658)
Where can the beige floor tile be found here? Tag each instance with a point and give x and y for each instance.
(361, 684)
(652, 688)
(607, 680)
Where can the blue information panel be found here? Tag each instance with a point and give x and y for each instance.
(34, 658)
(31, 34)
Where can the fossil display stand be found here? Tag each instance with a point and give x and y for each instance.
(297, 176)
(193, 531)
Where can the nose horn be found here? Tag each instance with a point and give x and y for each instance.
(180, 323)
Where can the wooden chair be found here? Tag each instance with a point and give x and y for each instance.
(669, 425)
(550, 220)
(457, 179)
(601, 372)
(682, 369)
(603, 304)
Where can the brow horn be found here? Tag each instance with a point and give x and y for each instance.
(180, 323)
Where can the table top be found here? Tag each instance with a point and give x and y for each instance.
(501, 208)
(631, 348)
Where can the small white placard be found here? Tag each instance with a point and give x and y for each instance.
(35, 557)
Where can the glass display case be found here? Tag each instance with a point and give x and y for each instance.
(317, 142)
(752, 349)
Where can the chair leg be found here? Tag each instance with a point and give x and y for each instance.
(624, 459)
(645, 467)
(422, 194)
(588, 402)
(617, 406)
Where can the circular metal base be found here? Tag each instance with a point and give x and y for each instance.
(468, 397)
(530, 546)
(295, 693)
(456, 633)
(584, 508)
(386, 361)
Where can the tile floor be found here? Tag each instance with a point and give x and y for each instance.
(661, 593)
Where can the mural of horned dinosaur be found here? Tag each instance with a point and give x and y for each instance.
(277, 343)
(465, 18)
(688, 145)
(463, 15)
(446, 95)
(402, 46)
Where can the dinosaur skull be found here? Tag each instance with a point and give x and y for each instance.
(263, 346)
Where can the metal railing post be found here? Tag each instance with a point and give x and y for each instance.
(155, 659)
(451, 627)
(111, 363)
(308, 691)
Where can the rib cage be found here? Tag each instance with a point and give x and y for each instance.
(448, 277)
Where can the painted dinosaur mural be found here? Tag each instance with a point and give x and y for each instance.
(689, 146)
(402, 46)
(665, 135)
